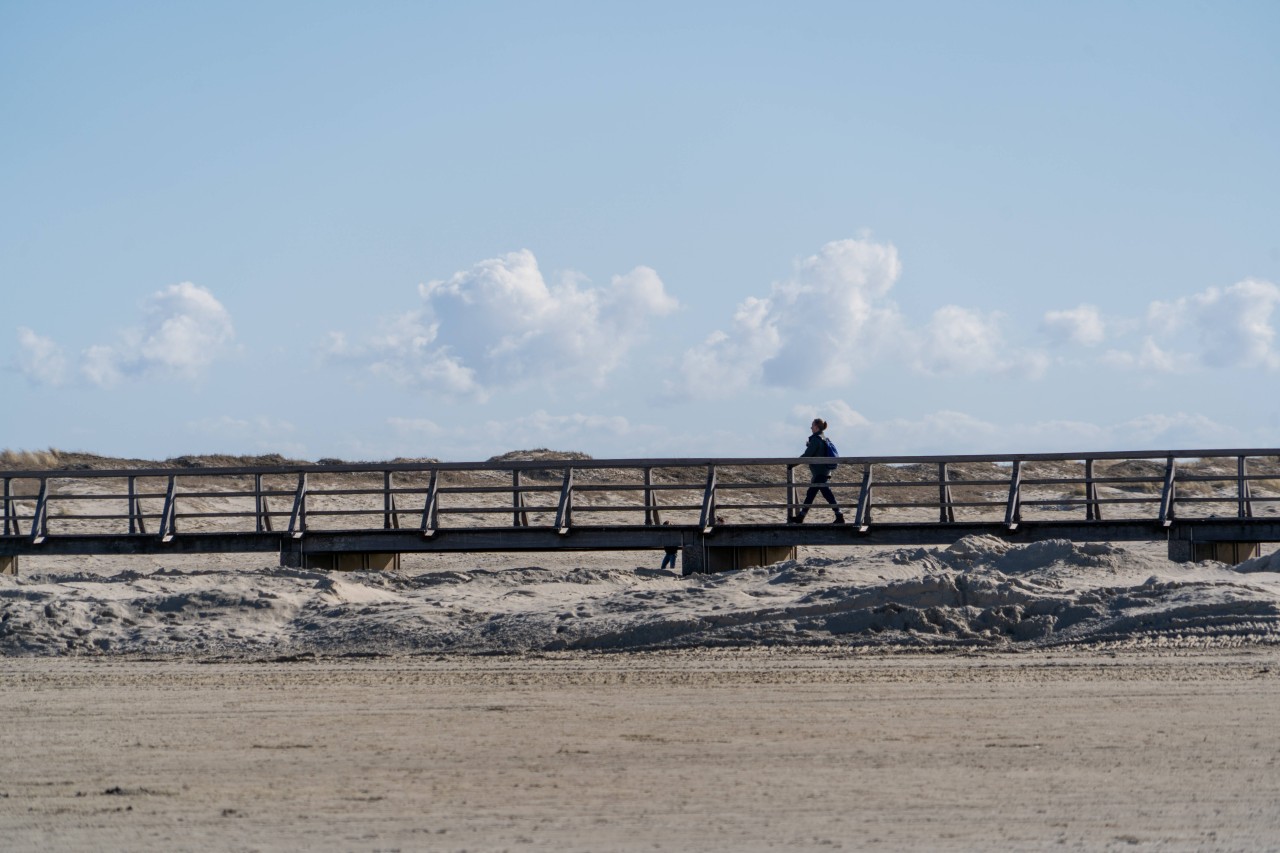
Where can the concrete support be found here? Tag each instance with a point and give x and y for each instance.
(354, 561)
(1230, 552)
(341, 561)
(9, 565)
(699, 558)
(720, 559)
(693, 558)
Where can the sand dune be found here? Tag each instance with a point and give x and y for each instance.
(978, 593)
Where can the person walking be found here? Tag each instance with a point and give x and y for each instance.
(670, 552)
(819, 475)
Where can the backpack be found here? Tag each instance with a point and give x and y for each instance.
(831, 451)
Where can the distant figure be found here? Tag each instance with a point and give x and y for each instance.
(669, 561)
(819, 475)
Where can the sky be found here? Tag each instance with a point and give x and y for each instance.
(421, 229)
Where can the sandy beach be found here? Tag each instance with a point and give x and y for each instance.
(691, 750)
(980, 696)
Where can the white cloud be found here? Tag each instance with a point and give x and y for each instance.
(184, 329)
(1218, 328)
(817, 328)
(40, 359)
(831, 320)
(500, 324)
(959, 340)
(1149, 357)
(1082, 325)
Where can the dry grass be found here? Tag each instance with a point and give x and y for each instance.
(34, 460)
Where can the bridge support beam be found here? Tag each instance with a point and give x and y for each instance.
(340, 561)
(1230, 552)
(9, 565)
(721, 558)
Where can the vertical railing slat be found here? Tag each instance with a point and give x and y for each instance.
(946, 512)
(1243, 492)
(863, 517)
(564, 509)
(430, 508)
(1013, 508)
(707, 518)
(1168, 497)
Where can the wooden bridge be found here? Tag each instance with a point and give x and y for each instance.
(721, 513)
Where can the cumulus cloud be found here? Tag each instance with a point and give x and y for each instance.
(1082, 325)
(1218, 328)
(184, 329)
(40, 359)
(832, 319)
(818, 327)
(1149, 357)
(501, 324)
(962, 341)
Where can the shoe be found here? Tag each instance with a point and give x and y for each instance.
(839, 518)
(795, 519)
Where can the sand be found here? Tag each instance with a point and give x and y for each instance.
(980, 593)
(687, 750)
(976, 697)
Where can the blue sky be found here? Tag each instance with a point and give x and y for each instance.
(365, 231)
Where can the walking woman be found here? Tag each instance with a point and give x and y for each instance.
(819, 474)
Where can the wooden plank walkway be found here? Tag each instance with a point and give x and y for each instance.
(1183, 496)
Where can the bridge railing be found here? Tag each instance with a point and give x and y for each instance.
(1149, 486)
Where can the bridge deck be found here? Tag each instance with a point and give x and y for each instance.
(620, 504)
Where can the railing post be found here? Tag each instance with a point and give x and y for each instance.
(430, 508)
(1243, 492)
(650, 507)
(792, 502)
(1092, 509)
(8, 512)
(564, 510)
(262, 513)
(298, 518)
(946, 512)
(390, 518)
(1013, 510)
(707, 519)
(132, 504)
(40, 521)
(519, 518)
(168, 516)
(863, 517)
(1168, 497)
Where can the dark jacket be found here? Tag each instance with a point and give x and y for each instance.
(817, 446)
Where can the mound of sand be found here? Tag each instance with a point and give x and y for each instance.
(978, 593)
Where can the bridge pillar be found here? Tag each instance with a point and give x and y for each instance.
(351, 561)
(1230, 552)
(693, 558)
(340, 561)
(9, 565)
(721, 558)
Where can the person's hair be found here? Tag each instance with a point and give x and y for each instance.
(820, 424)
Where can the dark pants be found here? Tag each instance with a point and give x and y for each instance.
(670, 559)
(819, 477)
